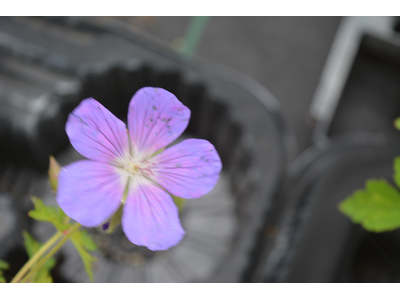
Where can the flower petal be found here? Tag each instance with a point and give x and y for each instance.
(155, 119)
(150, 218)
(89, 192)
(95, 132)
(189, 169)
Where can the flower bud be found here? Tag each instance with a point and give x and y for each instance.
(54, 170)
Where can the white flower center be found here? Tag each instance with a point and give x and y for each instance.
(134, 169)
(135, 165)
(137, 168)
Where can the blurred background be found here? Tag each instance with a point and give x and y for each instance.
(300, 110)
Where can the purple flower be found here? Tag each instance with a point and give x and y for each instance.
(124, 167)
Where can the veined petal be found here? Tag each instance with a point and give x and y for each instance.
(189, 169)
(89, 192)
(95, 132)
(150, 217)
(155, 119)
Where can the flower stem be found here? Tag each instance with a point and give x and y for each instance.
(73, 229)
(37, 256)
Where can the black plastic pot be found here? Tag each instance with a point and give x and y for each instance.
(231, 110)
(317, 243)
(369, 99)
(314, 242)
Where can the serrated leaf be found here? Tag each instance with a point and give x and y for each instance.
(396, 123)
(32, 246)
(54, 170)
(84, 243)
(48, 213)
(376, 208)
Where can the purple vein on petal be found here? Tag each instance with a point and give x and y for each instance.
(89, 192)
(120, 147)
(117, 149)
(189, 169)
(150, 218)
(155, 119)
(95, 132)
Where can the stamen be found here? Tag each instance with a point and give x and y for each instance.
(138, 166)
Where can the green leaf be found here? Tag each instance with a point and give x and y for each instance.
(42, 276)
(84, 243)
(32, 246)
(396, 123)
(2, 279)
(3, 266)
(396, 175)
(48, 213)
(376, 208)
(80, 239)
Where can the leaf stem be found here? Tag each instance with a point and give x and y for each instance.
(37, 256)
(73, 229)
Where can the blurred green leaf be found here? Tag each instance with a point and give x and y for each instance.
(84, 243)
(80, 239)
(48, 213)
(376, 208)
(396, 175)
(32, 246)
(396, 123)
(3, 266)
(42, 276)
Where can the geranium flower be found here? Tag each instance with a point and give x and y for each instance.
(125, 168)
